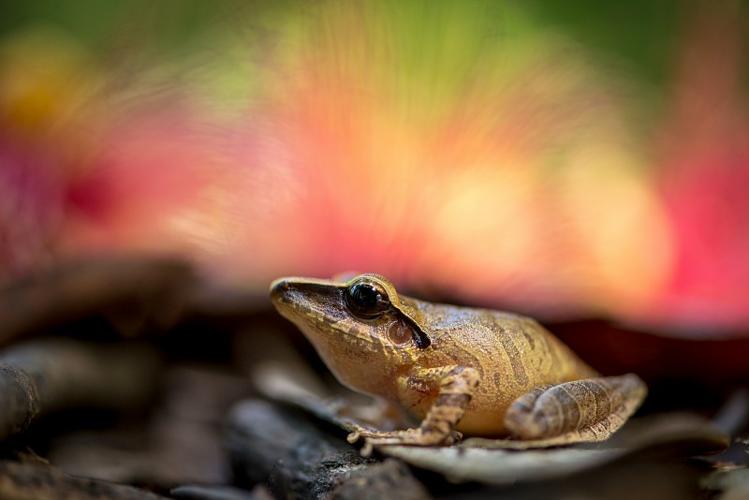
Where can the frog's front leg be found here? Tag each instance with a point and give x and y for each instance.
(455, 386)
(578, 411)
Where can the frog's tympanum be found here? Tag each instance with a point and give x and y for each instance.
(461, 370)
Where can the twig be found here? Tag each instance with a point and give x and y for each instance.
(41, 482)
(48, 375)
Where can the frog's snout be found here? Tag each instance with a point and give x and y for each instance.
(278, 290)
(300, 296)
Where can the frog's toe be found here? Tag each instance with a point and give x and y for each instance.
(409, 437)
(353, 437)
(454, 437)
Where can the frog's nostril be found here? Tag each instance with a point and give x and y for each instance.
(278, 289)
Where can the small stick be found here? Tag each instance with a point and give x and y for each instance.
(54, 374)
(21, 481)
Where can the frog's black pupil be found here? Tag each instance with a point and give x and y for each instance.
(365, 300)
(365, 296)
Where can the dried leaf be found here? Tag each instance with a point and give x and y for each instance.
(503, 461)
(489, 460)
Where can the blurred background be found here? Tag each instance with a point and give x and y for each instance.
(566, 160)
(583, 162)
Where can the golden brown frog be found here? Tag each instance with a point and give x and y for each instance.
(476, 371)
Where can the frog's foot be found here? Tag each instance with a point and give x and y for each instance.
(410, 437)
(579, 411)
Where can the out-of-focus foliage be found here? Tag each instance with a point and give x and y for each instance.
(565, 159)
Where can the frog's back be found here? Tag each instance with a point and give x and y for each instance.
(512, 353)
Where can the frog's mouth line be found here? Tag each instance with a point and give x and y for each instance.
(303, 316)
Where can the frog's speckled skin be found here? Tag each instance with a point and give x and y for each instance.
(480, 372)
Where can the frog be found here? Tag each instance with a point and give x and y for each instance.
(461, 371)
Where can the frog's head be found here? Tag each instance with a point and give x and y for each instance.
(364, 331)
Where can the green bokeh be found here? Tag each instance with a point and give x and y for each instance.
(100, 24)
(640, 33)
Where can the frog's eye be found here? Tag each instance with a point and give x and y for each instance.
(366, 299)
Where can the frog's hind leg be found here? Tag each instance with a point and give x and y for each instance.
(579, 411)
